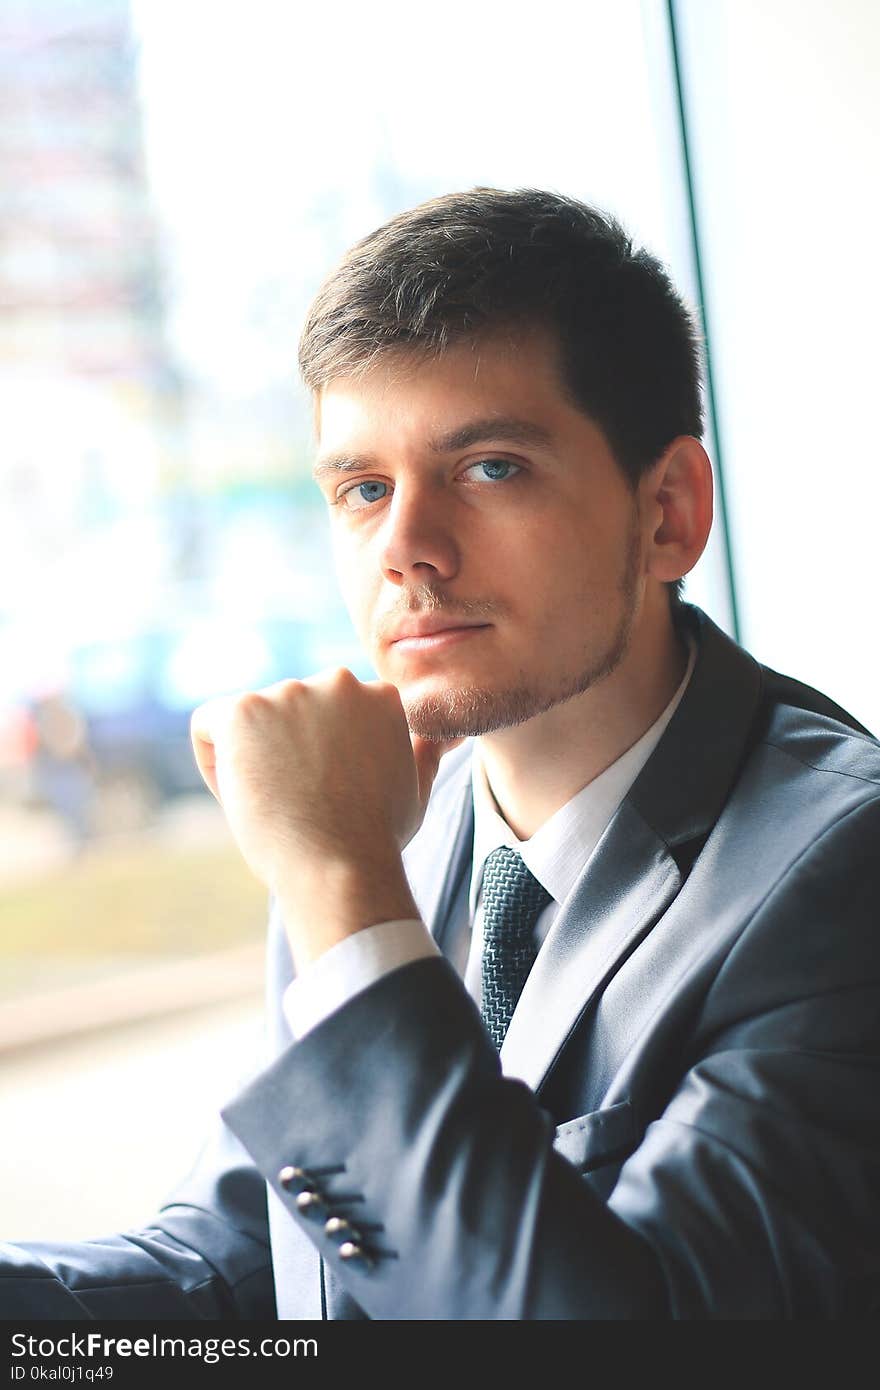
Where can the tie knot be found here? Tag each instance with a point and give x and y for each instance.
(513, 899)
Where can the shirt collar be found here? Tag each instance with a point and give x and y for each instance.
(559, 850)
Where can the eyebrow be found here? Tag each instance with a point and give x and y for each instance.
(492, 427)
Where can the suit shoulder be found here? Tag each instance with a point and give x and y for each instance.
(805, 724)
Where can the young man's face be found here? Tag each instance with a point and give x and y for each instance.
(488, 546)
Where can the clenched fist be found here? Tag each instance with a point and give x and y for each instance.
(322, 787)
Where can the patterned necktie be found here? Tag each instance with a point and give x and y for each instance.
(513, 900)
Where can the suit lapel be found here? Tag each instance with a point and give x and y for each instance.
(627, 886)
(643, 858)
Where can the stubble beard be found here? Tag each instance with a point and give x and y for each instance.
(470, 712)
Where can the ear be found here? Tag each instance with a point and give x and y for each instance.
(676, 501)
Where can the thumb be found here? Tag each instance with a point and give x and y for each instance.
(427, 754)
(207, 726)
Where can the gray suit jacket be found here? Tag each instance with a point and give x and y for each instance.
(685, 1118)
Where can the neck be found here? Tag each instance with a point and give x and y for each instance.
(535, 768)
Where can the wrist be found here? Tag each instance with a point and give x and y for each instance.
(329, 900)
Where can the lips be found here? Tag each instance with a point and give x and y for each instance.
(430, 634)
(414, 628)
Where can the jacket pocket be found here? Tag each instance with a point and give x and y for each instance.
(598, 1138)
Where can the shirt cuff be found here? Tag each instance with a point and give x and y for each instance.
(350, 967)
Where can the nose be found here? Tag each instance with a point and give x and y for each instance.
(419, 545)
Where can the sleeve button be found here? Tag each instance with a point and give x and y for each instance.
(294, 1179)
(310, 1202)
(353, 1253)
(341, 1232)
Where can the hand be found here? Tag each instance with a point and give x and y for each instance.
(322, 787)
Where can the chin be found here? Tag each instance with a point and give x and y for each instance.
(469, 713)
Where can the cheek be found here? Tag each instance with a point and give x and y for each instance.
(572, 576)
(556, 535)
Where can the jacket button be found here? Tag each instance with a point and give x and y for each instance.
(294, 1179)
(342, 1232)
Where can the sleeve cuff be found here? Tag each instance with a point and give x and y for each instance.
(352, 966)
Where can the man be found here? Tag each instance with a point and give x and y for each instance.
(647, 870)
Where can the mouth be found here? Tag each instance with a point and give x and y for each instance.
(436, 638)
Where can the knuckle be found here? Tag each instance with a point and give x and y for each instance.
(336, 679)
(329, 677)
(289, 689)
(249, 705)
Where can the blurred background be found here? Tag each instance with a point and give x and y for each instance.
(175, 181)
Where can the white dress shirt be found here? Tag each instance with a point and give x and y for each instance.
(556, 854)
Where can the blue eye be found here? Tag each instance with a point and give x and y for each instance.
(494, 470)
(363, 495)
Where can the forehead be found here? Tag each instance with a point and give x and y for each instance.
(511, 377)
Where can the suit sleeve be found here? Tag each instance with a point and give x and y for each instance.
(753, 1191)
(206, 1256)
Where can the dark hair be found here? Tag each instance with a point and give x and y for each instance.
(468, 263)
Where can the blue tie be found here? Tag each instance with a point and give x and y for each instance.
(513, 900)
